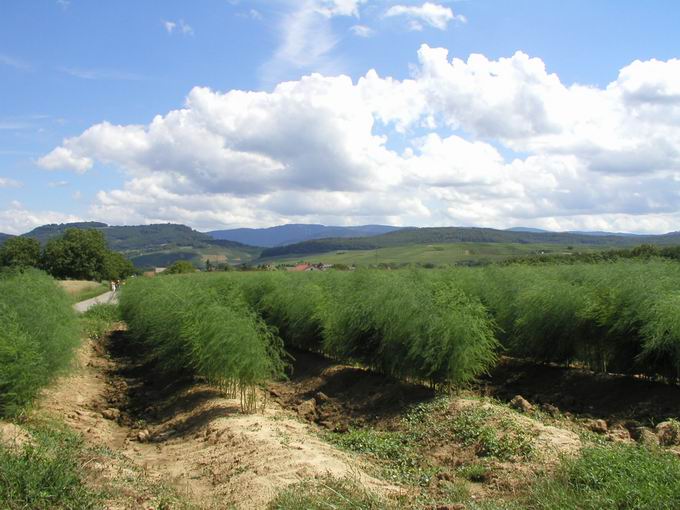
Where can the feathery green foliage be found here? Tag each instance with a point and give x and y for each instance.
(38, 335)
(620, 316)
(400, 323)
(203, 326)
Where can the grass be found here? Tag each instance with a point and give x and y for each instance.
(38, 337)
(98, 320)
(329, 493)
(492, 432)
(46, 472)
(612, 478)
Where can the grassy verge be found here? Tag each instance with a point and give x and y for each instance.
(612, 478)
(45, 472)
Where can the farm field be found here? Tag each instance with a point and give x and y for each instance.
(80, 290)
(500, 387)
(437, 254)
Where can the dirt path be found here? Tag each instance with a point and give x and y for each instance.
(190, 436)
(106, 298)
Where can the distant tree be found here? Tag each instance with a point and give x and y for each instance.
(180, 267)
(118, 266)
(208, 265)
(20, 252)
(84, 255)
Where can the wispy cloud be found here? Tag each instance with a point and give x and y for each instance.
(64, 4)
(177, 27)
(100, 74)
(434, 15)
(9, 183)
(58, 184)
(362, 31)
(14, 62)
(307, 37)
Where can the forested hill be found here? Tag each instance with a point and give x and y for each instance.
(296, 233)
(157, 245)
(464, 234)
(123, 238)
(3, 237)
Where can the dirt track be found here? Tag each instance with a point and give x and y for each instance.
(106, 298)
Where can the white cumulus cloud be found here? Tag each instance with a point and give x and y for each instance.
(462, 142)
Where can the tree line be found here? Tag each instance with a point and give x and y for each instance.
(80, 254)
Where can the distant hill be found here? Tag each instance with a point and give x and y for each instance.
(158, 245)
(526, 229)
(601, 233)
(462, 235)
(3, 237)
(296, 233)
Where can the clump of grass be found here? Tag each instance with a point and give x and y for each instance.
(45, 473)
(99, 319)
(204, 326)
(612, 478)
(474, 472)
(330, 493)
(492, 433)
(38, 335)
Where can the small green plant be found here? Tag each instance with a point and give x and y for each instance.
(492, 433)
(476, 472)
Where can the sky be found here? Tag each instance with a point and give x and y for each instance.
(249, 113)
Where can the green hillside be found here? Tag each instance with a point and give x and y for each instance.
(447, 235)
(438, 254)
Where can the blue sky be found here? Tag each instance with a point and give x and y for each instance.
(66, 66)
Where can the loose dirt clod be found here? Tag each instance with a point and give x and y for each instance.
(519, 403)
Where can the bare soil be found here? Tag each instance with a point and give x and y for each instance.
(343, 395)
(189, 435)
(618, 399)
(186, 434)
